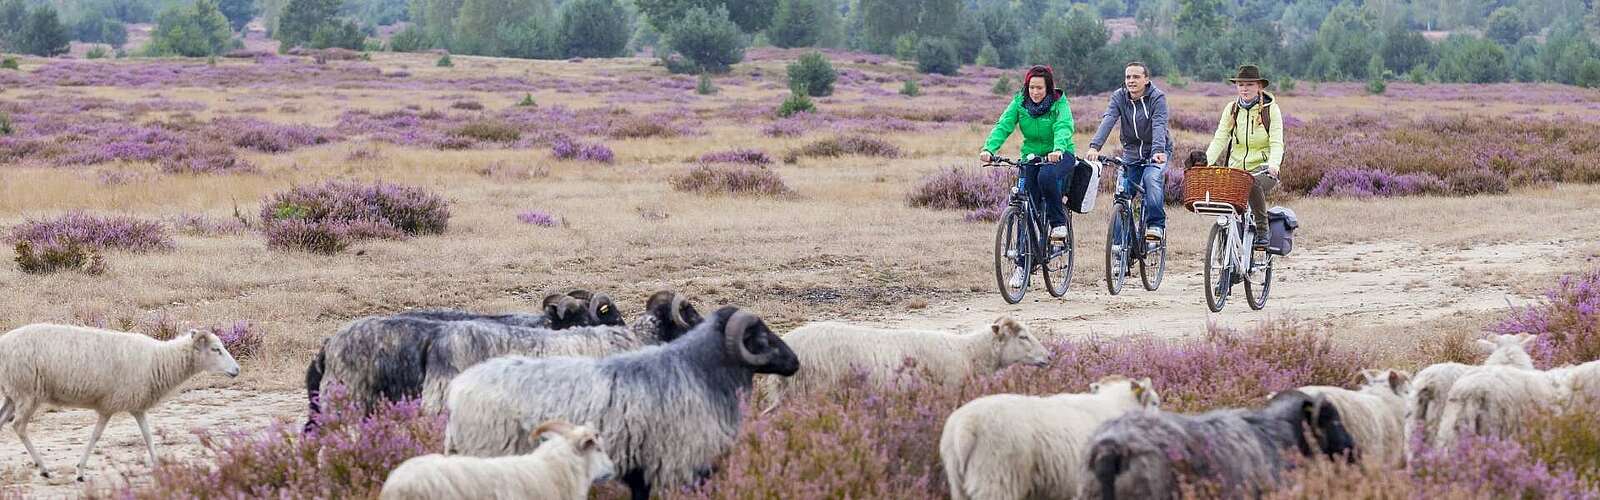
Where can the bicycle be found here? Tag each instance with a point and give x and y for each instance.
(1125, 239)
(1022, 241)
(1228, 262)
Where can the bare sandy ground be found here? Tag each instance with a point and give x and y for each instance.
(1346, 288)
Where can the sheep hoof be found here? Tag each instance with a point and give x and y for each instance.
(80, 478)
(44, 474)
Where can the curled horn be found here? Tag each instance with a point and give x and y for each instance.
(676, 311)
(733, 334)
(564, 304)
(558, 426)
(596, 301)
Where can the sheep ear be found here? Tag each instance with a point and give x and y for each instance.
(1398, 380)
(996, 329)
(1526, 339)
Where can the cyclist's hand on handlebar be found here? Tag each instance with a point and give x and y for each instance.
(984, 156)
(1159, 158)
(1091, 155)
(1272, 170)
(1053, 157)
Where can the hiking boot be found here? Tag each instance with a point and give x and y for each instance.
(1261, 242)
(1017, 277)
(1154, 234)
(1058, 233)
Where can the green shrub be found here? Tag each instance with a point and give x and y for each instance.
(796, 103)
(98, 52)
(527, 101)
(910, 89)
(938, 55)
(705, 86)
(813, 73)
(1003, 86)
(444, 61)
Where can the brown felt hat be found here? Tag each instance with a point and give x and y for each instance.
(1249, 73)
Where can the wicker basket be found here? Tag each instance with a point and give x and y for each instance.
(1217, 184)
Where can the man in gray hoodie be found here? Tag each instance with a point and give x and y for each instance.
(1141, 109)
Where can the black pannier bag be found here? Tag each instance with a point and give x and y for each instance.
(1283, 223)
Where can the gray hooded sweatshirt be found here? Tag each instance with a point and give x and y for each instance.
(1143, 124)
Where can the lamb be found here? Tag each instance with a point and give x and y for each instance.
(1142, 453)
(1493, 400)
(107, 371)
(831, 351)
(390, 358)
(1373, 414)
(1425, 402)
(564, 465)
(1013, 446)
(667, 412)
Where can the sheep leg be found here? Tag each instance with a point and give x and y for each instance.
(25, 414)
(144, 428)
(6, 409)
(637, 484)
(94, 437)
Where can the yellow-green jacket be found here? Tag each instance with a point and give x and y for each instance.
(1255, 148)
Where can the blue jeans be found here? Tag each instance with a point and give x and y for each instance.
(1154, 179)
(1046, 181)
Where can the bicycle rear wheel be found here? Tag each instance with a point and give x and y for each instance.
(1219, 277)
(1010, 240)
(1058, 262)
(1258, 298)
(1117, 249)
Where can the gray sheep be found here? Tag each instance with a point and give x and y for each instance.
(107, 371)
(1150, 454)
(666, 412)
(390, 358)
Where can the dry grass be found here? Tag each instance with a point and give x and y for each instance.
(846, 244)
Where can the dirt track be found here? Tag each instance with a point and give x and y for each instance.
(1343, 287)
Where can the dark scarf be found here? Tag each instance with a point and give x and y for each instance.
(1251, 104)
(1036, 109)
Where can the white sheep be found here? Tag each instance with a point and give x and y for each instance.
(107, 371)
(1011, 446)
(1374, 414)
(564, 466)
(1494, 400)
(830, 351)
(1425, 401)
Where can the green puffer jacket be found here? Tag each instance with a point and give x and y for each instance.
(1051, 131)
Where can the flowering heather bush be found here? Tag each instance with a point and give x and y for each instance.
(1367, 183)
(93, 233)
(467, 105)
(642, 127)
(267, 137)
(1567, 322)
(568, 149)
(1191, 122)
(347, 455)
(840, 146)
(538, 218)
(328, 217)
(980, 192)
(241, 338)
(505, 171)
(1472, 181)
(205, 158)
(747, 156)
(731, 179)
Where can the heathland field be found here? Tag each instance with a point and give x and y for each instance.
(161, 195)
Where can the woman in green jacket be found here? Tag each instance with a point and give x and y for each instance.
(1041, 111)
(1250, 137)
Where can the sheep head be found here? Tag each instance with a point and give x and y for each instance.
(1508, 350)
(673, 313)
(210, 354)
(564, 311)
(1140, 391)
(1396, 381)
(1016, 344)
(1317, 423)
(748, 340)
(584, 440)
(603, 311)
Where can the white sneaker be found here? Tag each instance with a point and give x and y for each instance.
(1154, 234)
(1058, 233)
(1016, 278)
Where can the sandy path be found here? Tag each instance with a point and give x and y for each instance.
(1339, 286)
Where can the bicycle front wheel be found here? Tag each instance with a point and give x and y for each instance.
(1261, 278)
(1219, 276)
(1011, 253)
(1153, 267)
(1058, 263)
(1117, 242)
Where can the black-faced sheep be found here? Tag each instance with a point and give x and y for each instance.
(1373, 414)
(1148, 454)
(667, 412)
(1009, 446)
(561, 311)
(390, 358)
(565, 464)
(1425, 400)
(832, 351)
(107, 371)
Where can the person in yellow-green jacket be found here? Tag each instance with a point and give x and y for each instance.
(1041, 111)
(1250, 137)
